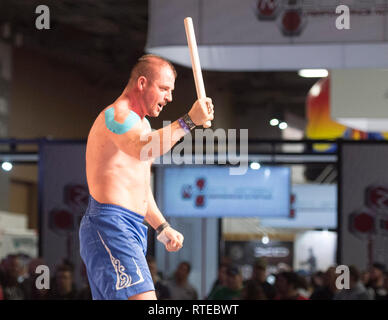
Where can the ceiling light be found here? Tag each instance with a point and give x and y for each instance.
(265, 240)
(283, 125)
(313, 73)
(6, 166)
(255, 166)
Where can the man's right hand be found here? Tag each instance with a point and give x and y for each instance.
(202, 111)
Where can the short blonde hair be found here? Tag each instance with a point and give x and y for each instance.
(147, 65)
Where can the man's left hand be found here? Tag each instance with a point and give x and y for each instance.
(175, 239)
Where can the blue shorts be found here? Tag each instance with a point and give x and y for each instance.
(113, 245)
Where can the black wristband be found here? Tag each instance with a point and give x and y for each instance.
(186, 118)
(163, 226)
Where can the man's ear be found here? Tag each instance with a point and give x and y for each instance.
(141, 82)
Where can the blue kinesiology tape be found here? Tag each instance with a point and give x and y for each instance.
(117, 127)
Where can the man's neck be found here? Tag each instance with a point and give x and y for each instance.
(128, 100)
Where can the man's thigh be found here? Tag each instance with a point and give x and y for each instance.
(149, 295)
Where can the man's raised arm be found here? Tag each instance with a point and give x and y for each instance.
(146, 145)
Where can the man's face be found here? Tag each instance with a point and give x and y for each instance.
(158, 91)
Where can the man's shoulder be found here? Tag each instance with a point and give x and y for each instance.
(120, 120)
(120, 115)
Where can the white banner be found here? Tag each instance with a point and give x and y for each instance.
(315, 206)
(272, 34)
(363, 223)
(210, 191)
(63, 195)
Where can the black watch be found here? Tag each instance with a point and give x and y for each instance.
(186, 118)
(163, 226)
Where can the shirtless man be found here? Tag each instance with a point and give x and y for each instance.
(113, 238)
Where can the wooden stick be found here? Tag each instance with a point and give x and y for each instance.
(195, 63)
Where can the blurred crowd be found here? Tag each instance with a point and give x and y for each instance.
(285, 284)
(18, 280)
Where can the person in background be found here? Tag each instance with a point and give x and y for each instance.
(33, 293)
(63, 289)
(179, 286)
(386, 284)
(311, 262)
(375, 284)
(356, 290)
(13, 288)
(234, 285)
(259, 277)
(287, 284)
(161, 290)
(304, 288)
(253, 291)
(220, 282)
(329, 289)
(365, 275)
(317, 280)
(85, 292)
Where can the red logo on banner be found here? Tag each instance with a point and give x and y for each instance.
(201, 183)
(199, 196)
(377, 197)
(200, 201)
(61, 220)
(268, 9)
(292, 19)
(363, 222)
(292, 22)
(76, 195)
(372, 219)
(76, 199)
(187, 191)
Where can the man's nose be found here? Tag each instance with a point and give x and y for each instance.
(169, 97)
